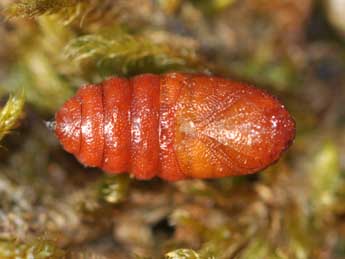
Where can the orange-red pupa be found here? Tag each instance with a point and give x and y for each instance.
(174, 126)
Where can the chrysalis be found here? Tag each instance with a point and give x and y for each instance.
(174, 126)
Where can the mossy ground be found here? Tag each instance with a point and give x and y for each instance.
(52, 207)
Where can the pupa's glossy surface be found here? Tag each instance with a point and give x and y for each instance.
(174, 126)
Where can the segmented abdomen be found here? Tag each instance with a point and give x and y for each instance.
(174, 126)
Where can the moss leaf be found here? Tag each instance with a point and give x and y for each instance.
(182, 254)
(10, 113)
(124, 53)
(31, 8)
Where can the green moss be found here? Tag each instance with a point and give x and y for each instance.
(116, 51)
(294, 209)
(325, 175)
(44, 87)
(31, 8)
(183, 254)
(114, 189)
(11, 113)
(266, 69)
(38, 249)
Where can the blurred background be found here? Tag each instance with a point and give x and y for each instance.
(52, 207)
